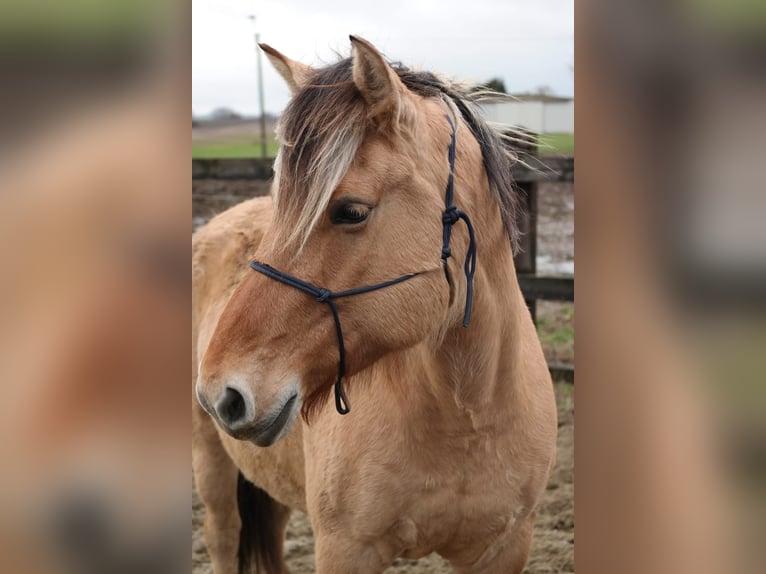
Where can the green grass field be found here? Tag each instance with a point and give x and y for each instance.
(217, 150)
(549, 143)
(556, 143)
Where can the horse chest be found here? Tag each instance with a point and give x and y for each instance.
(470, 499)
(451, 516)
(419, 505)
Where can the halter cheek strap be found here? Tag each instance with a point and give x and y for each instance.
(450, 216)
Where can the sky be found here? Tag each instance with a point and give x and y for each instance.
(527, 43)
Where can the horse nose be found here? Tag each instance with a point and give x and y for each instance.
(234, 409)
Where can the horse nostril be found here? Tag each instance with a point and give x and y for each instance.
(231, 407)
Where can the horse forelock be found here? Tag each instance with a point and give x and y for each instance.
(320, 133)
(324, 126)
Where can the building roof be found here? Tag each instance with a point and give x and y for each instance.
(526, 97)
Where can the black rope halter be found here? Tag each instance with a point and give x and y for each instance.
(450, 216)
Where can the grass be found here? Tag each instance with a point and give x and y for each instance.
(549, 143)
(560, 336)
(555, 327)
(564, 389)
(556, 143)
(216, 150)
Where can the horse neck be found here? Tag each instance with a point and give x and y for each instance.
(465, 373)
(481, 358)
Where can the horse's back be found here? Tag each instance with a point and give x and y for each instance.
(221, 251)
(221, 248)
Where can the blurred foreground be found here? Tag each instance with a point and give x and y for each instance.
(671, 255)
(94, 423)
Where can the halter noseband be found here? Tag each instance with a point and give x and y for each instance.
(450, 216)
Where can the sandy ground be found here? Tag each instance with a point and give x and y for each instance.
(553, 548)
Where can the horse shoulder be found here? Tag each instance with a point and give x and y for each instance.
(222, 248)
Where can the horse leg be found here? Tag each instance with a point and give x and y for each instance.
(512, 557)
(264, 522)
(216, 481)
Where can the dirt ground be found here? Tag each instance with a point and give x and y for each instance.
(553, 547)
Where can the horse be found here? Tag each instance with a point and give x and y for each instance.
(379, 269)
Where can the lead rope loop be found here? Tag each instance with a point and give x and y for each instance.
(341, 400)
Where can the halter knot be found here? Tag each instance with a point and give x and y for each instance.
(324, 295)
(451, 215)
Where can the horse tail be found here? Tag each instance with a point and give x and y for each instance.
(261, 536)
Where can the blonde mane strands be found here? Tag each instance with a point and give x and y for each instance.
(320, 131)
(324, 125)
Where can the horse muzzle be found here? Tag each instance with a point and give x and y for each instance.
(234, 409)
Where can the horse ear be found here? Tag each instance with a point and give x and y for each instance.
(379, 85)
(296, 74)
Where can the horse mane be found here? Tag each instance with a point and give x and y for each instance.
(325, 124)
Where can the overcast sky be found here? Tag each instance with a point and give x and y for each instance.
(527, 43)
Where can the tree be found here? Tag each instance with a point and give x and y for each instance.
(496, 85)
(224, 114)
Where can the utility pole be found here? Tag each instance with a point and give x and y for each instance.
(264, 151)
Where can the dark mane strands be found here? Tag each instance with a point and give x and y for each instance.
(331, 107)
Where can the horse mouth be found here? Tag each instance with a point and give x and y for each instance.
(268, 431)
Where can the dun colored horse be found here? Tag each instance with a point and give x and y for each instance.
(381, 266)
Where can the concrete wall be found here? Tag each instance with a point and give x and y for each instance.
(539, 117)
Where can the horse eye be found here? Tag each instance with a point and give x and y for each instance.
(349, 213)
